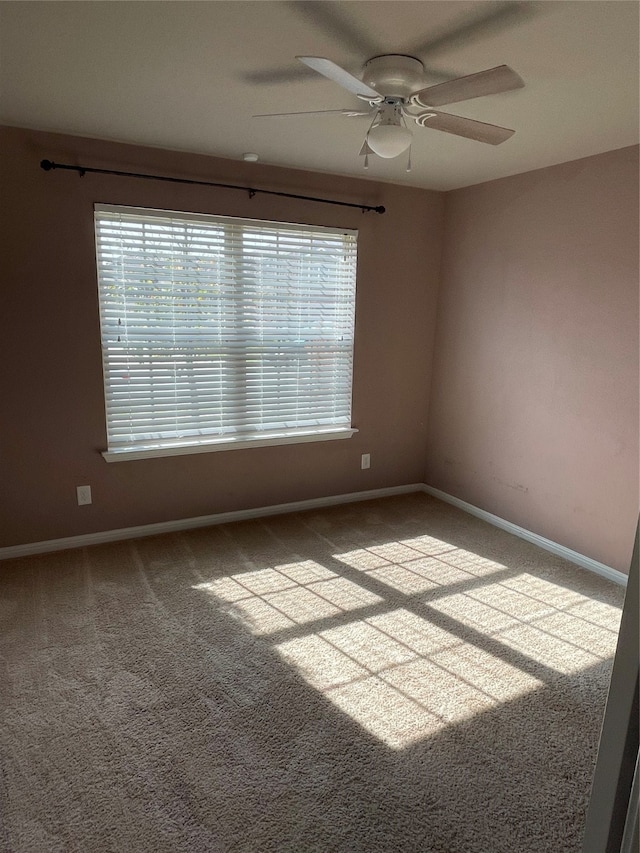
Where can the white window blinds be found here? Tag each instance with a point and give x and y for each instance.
(220, 330)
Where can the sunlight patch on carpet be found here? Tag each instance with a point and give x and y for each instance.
(402, 678)
(555, 626)
(273, 599)
(420, 564)
(393, 670)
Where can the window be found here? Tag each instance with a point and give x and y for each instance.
(221, 332)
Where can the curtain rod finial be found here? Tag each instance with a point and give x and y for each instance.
(47, 165)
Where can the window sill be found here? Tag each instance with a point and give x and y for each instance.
(150, 451)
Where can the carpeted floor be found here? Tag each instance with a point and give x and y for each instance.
(388, 676)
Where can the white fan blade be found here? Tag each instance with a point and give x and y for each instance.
(469, 128)
(490, 82)
(343, 78)
(343, 112)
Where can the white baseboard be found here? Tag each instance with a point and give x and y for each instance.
(29, 548)
(553, 547)
(13, 551)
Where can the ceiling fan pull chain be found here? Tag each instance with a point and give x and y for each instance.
(409, 161)
(366, 160)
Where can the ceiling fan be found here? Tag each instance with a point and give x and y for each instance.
(392, 87)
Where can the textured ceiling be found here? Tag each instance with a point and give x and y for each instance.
(190, 75)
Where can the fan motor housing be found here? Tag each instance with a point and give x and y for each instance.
(394, 75)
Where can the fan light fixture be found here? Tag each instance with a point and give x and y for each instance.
(389, 137)
(389, 140)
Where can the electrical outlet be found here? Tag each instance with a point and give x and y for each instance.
(365, 461)
(84, 495)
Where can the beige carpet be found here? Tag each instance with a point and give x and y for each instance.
(388, 676)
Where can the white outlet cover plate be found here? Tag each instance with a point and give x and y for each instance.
(84, 495)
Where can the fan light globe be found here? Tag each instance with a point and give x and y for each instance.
(389, 140)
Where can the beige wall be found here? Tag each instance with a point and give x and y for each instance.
(530, 411)
(52, 414)
(534, 395)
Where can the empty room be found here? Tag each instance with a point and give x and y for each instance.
(319, 426)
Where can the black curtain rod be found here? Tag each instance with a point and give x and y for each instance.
(48, 165)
